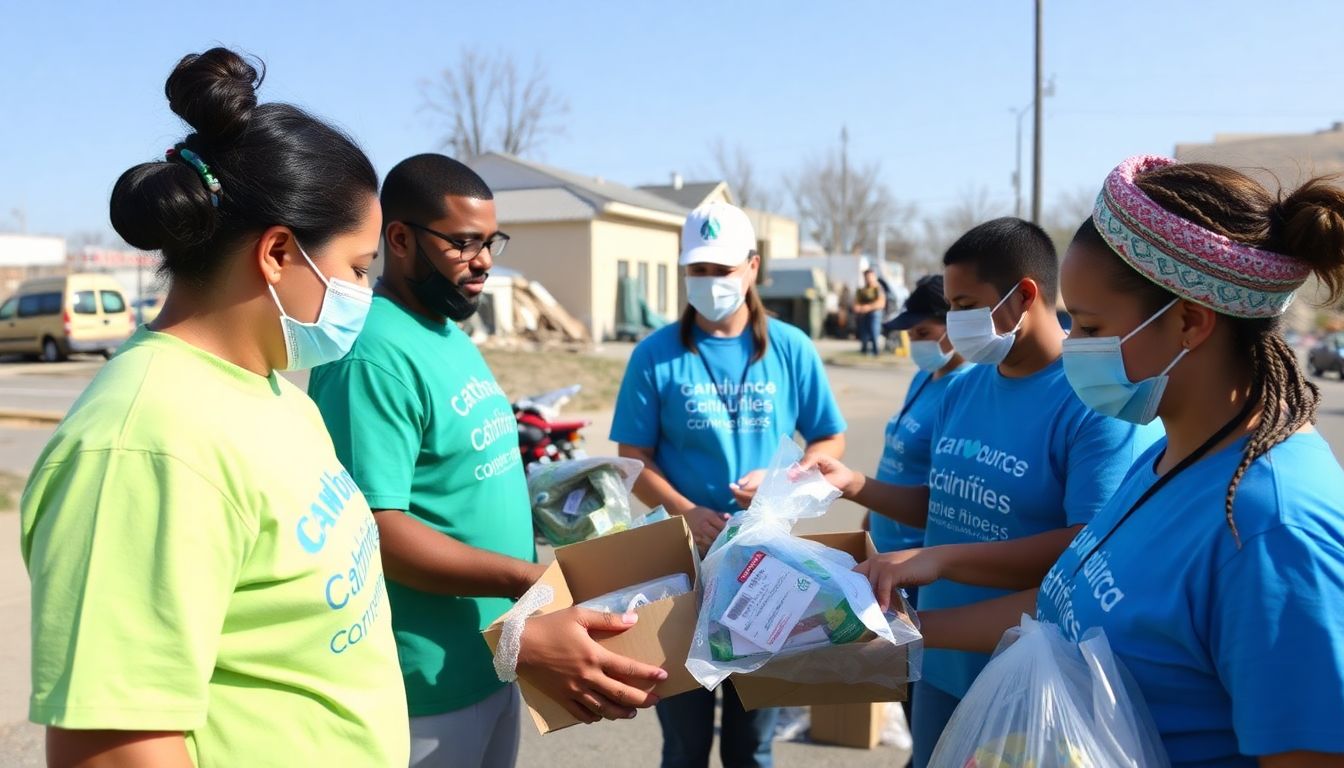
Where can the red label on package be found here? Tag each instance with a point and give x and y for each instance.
(751, 566)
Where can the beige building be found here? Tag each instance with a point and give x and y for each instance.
(1279, 161)
(1274, 160)
(578, 235)
(776, 235)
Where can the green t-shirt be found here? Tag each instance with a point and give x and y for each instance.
(418, 418)
(201, 562)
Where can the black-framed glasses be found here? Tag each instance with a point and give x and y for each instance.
(469, 248)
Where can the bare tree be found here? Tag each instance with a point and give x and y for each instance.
(841, 205)
(1069, 210)
(905, 242)
(489, 105)
(735, 166)
(975, 206)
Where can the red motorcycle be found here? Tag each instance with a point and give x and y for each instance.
(542, 436)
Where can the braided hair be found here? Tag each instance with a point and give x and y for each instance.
(1306, 224)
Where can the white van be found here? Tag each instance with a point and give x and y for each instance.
(53, 317)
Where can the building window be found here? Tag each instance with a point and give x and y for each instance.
(662, 289)
(622, 269)
(644, 280)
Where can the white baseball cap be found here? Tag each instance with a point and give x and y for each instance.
(717, 233)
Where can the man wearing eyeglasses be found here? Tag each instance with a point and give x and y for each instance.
(420, 422)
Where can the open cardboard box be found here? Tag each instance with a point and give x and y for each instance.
(763, 689)
(593, 568)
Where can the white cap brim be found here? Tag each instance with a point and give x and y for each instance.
(714, 254)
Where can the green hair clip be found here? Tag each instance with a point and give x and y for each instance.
(195, 161)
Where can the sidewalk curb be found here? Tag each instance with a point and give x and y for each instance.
(832, 362)
(18, 414)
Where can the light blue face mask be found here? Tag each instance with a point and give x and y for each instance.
(929, 355)
(345, 306)
(1095, 369)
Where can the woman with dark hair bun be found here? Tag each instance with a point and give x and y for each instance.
(207, 587)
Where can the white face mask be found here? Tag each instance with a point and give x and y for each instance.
(715, 298)
(929, 355)
(973, 335)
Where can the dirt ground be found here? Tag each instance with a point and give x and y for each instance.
(526, 372)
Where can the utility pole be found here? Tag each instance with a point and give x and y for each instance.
(841, 236)
(1036, 132)
(1017, 174)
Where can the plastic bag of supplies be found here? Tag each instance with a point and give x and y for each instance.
(1045, 702)
(582, 499)
(774, 599)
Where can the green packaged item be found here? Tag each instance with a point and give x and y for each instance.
(577, 500)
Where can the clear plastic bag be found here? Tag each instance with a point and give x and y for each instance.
(792, 608)
(630, 598)
(582, 499)
(1045, 702)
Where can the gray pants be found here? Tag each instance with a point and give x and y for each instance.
(484, 735)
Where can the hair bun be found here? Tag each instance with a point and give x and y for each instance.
(215, 92)
(1308, 225)
(162, 206)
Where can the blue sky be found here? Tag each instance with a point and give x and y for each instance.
(925, 88)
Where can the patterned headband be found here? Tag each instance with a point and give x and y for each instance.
(1187, 259)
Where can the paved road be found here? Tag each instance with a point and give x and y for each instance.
(867, 396)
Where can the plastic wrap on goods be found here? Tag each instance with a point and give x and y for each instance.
(630, 598)
(581, 499)
(1045, 702)
(771, 597)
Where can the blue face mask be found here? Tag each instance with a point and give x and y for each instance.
(929, 355)
(345, 306)
(1095, 369)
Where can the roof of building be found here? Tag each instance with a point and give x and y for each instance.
(688, 195)
(1274, 160)
(533, 205)
(508, 174)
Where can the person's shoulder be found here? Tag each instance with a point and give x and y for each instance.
(660, 345)
(1301, 482)
(945, 381)
(790, 335)
(385, 329)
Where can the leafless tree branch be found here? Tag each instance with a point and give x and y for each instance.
(488, 105)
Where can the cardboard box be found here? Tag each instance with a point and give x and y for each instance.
(593, 568)
(763, 689)
(848, 725)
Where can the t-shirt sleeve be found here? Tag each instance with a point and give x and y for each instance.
(134, 558)
(1098, 457)
(818, 413)
(377, 425)
(638, 405)
(1277, 638)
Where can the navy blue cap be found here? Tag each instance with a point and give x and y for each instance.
(926, 302)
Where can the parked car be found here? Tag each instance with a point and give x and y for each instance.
(1327, 356)
(147, 308)
(53, 317)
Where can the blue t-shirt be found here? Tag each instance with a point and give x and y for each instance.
(1237, 651)
(684, 406)
(1014, 457)
(906, 453)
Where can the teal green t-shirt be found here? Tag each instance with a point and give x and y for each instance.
(420, 422)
